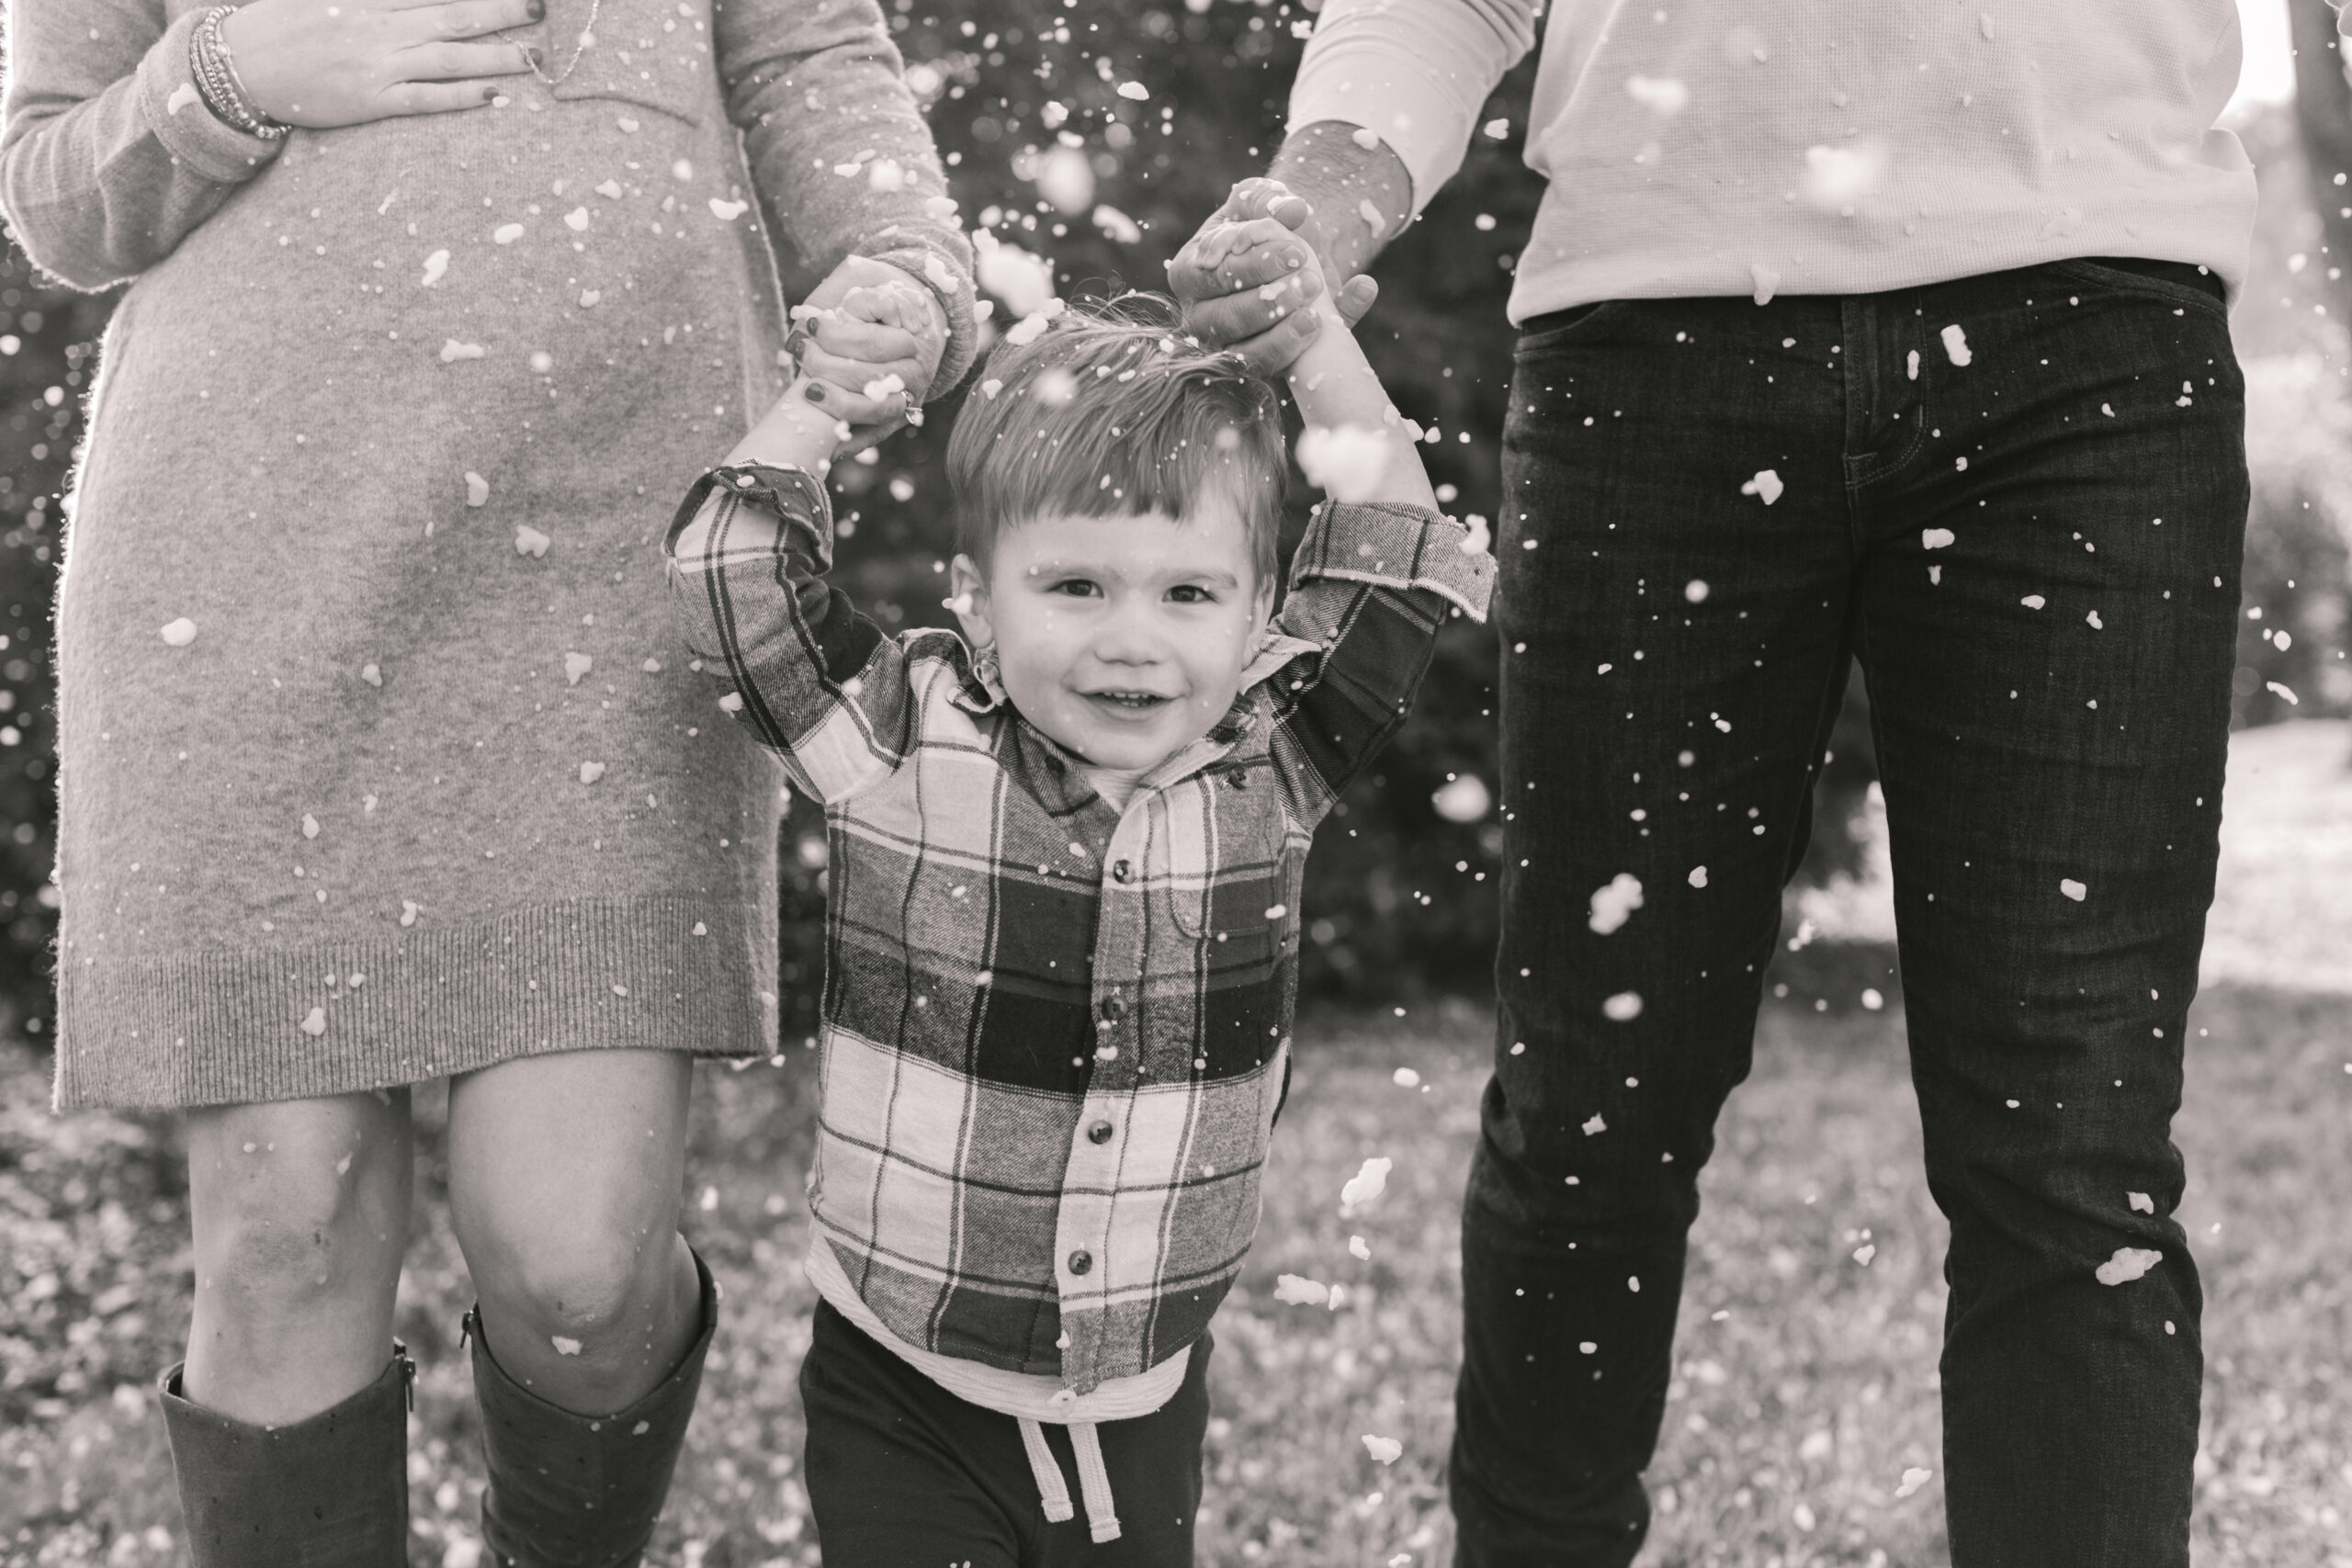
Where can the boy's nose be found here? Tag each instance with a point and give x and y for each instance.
(1124, 642)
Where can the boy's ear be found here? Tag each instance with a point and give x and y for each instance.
(967, 595)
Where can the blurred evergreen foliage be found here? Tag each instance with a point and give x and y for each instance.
(48, 354)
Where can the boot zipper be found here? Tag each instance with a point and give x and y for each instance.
(408, 1374)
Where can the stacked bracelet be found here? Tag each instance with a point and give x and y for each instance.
(215, 70)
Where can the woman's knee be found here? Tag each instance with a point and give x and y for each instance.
(591, 1290)
(296, 1205)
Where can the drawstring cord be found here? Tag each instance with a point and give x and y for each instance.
(1094, 1479)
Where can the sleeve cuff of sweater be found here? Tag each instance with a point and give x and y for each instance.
(950, 281)
(177, 116)
(1397, 547)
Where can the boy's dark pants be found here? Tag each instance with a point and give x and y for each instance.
(902, 1473)
(2034, 558)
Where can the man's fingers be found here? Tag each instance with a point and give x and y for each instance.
(1247, 266)
(1273, 349)
(1357, 297)
(1232, 317)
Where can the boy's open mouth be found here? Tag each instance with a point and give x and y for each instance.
(1131, 702)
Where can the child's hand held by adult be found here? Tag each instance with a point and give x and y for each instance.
(1246, 274)
(326, 63)
(869, 340)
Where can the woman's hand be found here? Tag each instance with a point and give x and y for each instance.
(870, 339)
(323, 63)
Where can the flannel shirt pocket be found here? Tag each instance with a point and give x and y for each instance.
(1224, 878)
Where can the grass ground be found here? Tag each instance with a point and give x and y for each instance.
(1791, 1421)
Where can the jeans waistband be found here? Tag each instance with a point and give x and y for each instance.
(2186, 272)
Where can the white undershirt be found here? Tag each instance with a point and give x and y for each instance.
(1117, 785)
(1720, 147)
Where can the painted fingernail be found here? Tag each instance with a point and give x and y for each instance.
(489, 95)
(816, 392)
(538, 9)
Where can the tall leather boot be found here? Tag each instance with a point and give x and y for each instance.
(327, 1492)
(580, 1490)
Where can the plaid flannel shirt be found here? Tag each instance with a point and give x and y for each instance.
(1055, 1034)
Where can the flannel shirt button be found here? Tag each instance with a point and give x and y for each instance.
(1114, 1010)
(1080, 1262)
(1123, 872)
(1099, 1133)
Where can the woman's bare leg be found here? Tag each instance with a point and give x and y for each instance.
(564, 1182)
(301, 1210)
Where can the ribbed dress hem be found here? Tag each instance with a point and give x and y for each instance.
(243, 1026)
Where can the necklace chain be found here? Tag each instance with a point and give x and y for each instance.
(587, 38)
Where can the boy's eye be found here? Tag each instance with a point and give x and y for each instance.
(1191, 593)
(1076, 587)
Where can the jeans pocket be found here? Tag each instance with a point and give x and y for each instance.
(652, 53)
(1557, 328)
(2178, 294)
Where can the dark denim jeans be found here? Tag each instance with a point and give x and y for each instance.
(2030, 542)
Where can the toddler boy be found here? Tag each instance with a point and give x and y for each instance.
(1063, 920)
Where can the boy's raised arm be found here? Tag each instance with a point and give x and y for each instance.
(1376, 577)
(817, 683)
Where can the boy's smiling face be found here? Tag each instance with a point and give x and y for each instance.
(1124, 637)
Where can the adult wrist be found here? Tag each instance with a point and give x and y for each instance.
(213, 65)
(1327, 165)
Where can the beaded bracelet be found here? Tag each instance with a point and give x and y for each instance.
(215, 70)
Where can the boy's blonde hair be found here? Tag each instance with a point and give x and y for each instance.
(1113, 412)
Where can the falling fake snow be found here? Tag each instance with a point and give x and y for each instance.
(1623, 1008)
(1956, 345)
(1462, 799)
(2128, 1264)
(1614, 905)
(1297, 1290)
(1766, 486)
(1369, 1182)
(179, 633)
(1344, 461)
(1384, 1450)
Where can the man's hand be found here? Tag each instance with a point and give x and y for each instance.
(1248, 276)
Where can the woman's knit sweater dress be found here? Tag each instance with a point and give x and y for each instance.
(392, 421)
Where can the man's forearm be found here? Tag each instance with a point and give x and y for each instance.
(1361, 196)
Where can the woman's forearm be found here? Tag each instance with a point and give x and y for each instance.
(108, 157)
(817, 87)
